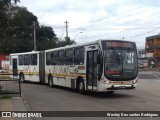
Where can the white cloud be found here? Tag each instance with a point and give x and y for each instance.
(75, 19)
(93, 15)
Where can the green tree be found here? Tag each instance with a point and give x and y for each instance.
(45, 38)
(5, 40)
(16, 30)
(67, 41)
(4, 6)
(19, 31)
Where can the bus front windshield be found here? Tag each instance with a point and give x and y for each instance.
(120, 63)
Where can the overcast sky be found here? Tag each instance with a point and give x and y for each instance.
(132, 20)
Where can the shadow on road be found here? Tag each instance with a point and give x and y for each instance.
(101, 95)
(108, 95)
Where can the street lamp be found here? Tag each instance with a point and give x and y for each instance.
(77, 35)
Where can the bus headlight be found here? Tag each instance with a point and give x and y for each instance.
(107, 81)
(134, 81)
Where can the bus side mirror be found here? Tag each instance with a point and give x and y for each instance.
(98, 59)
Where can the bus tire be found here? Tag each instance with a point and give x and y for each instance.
(81, 87)
(50, 81)
(22, 78)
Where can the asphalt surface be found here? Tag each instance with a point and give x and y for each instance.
(149, 75)
(146, 97)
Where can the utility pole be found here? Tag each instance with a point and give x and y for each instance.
(66, 25)
(34, 26)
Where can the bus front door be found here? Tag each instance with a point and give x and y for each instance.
(92, 70)
(14, 67)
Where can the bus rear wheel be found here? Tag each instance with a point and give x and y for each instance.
(81, 87)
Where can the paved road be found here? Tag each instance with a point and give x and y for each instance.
(149, 75)
(145, 98)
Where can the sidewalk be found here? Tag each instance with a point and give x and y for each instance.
(149, 69)
(13, 104)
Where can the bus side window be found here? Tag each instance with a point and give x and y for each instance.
(48, 58)
(61, 57)
(79, 56)
(27, 59)
(54, 56)
(20, 59)
(69, 57)
(34, 59)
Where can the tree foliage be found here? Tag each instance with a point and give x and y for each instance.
(17, 34)
(45, 38)
(17, 30)
(66, 41)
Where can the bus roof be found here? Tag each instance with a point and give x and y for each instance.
(82, 44)
(75, 45)
(32, 52)
(68, 46)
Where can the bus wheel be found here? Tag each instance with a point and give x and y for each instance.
(50, 81)
(21, 78)
(81, 87)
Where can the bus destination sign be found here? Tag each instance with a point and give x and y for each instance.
(119, 44)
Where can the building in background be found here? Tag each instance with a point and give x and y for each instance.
(142, 59)
(5, 65)
(152, 49)
(3, 58)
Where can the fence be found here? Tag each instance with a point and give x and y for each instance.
(9, 85)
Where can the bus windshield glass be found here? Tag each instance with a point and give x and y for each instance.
(120, 60)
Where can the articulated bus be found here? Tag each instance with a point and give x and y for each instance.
(100, 66)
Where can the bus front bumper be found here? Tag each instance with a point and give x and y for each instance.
(121, 87)
(102, 87)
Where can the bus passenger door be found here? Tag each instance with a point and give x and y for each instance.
(92, 70)
(14, 66)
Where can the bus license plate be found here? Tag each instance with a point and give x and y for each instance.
(121, 83)
(122, 87)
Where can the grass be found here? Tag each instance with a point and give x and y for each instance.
(5, 96)
(4, 76)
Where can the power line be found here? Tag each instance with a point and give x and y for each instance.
(129, 15)
(134, 19)
(144, 27)
(138, 35)
(117, 24)
(126, 16)
(149, 3)
(124, 23)
(111, 33)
